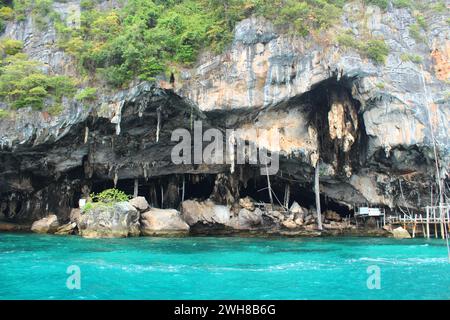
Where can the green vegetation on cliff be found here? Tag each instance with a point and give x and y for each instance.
(144, 38)
(23, 83)
(375, 49)
(116, 43)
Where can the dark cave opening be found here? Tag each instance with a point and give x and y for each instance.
(331, 103)
(303, 194)
(167, 191)
(164, 191)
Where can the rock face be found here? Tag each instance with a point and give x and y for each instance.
(75, 215)
(248, 220)
(140, 203)
(207, 212)
(163, 222)
(8, 226)
(66, 229)
(110, 221)
(48, 224)
(401, 233)
(397, 100)
(247, 203)
(332, 215)
(372, 125)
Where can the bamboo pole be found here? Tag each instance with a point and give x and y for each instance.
(136, 188)
(155, 196)
(182, 194)
(317, 192)
(428, 221)
(162, 197)
(414, 226)
(287, 194)
(269, 188)
(423, 229)
(448, 217)
(435, 224)
(150, 196)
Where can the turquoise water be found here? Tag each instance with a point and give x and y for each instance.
(34, 267)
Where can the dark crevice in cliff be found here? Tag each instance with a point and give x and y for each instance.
(336, 116)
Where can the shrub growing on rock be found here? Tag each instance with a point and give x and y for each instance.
(110, 196)
(86, 94)
(383, 4)
(377, 50)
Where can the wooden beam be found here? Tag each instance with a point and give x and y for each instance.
(182, 193)
(136, 188)
(269, 188)
(317, 192)
(162, 197)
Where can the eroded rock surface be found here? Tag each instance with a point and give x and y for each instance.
(48, 224)
(118, 220)
(400, 233)
(163, 222)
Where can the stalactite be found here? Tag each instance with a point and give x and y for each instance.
(144, 167)
(287, 194)
(116, 177)
(317, 193)
(158, 125)
(136, 188)
(230, 151)
(182, 194)
(86, 134)
(269, 187)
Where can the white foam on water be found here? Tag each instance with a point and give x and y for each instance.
(401, 261)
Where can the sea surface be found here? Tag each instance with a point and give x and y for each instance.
(54, 267)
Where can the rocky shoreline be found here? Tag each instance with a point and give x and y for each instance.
(196, 218)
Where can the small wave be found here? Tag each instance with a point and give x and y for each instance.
(138, 268)
(400, 261)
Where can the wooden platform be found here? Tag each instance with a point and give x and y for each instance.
(435, 218)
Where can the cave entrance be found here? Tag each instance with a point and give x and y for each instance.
(164, 191)
(302, 193)
(339, 124)
(167, 191)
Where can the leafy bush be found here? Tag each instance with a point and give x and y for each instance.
(20, 7)
(439, 7)
(23, 84)
(86, 94)
(10, 46)
(110, 196)
(349, 41)
(4, 113)
(411, 57)
(377, 50)
(402, 3)
(87, 4)
(88, 206)
(422, 22)
(6, 13)
(383, 4)
(414, 32)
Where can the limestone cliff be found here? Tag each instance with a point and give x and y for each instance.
(372, 125)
